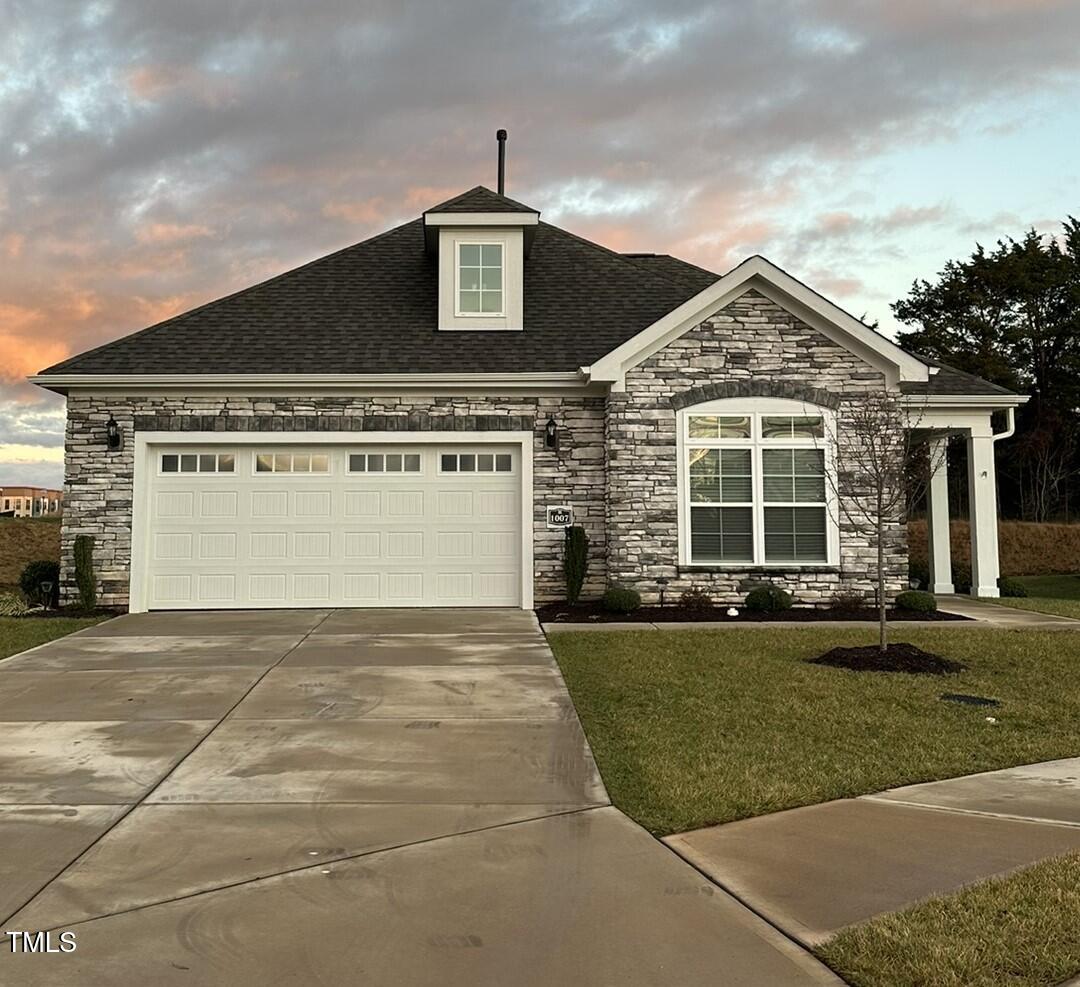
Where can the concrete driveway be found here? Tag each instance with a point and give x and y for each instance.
(336, 797)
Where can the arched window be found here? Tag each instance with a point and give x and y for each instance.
(754, 484)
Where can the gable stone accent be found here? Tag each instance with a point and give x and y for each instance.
(99, 484)
(752, 347)
(721, 389)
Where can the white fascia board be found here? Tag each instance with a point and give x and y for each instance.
(778, 285)
(953, 402)
(309, 383)
(481, 219)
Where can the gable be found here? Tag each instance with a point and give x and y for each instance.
(780, 288)
(753, 338)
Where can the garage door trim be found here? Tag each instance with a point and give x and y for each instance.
(149, 444)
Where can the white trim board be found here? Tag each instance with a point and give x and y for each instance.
(309, 384)
(481, 219)
(776, 284)
(146, 443)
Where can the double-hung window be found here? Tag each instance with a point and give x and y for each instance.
(755, 485)
(480, 279)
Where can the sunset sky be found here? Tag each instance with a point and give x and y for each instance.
(156, 154)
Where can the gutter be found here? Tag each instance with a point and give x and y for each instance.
(62, 383)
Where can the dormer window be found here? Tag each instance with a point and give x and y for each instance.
(480, 279)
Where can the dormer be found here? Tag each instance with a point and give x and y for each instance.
(480, 240)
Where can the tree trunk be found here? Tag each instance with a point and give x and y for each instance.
(883, 624)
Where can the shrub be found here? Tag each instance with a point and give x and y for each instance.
(37, 573)
(1008, 586)
(12, 605)
(695, 598)
(849, 599)
(768, 599)
(919, 569)
(84, 571)
(575, 561)
(917, 600)
(620, 599)
(961, 578)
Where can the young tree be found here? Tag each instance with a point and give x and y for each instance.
(875, 439)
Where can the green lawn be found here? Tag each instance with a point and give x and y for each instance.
(1022, 930)
(19, 633)
(1048, 594)
(691, 728)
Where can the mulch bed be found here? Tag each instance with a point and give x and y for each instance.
(898, 658)
(592, 612)
(69, 612)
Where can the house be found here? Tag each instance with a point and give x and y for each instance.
(397, 423)
(30, 502)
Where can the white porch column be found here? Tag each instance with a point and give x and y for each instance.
(937, 519)
(982, 498)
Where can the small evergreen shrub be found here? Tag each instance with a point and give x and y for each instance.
(84, 571)
(768, 599)
(849, 599)
(919, 570)
(621, 599)
(695, 598)
(917, 600)
(12, 605)
(961, 578)
(37, 573)
(1008, 586)
(575, 561)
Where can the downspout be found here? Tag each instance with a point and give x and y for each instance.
(1010, 429)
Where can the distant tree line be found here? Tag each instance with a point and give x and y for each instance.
(1012, 316)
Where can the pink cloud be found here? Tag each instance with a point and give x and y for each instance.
(172, 232)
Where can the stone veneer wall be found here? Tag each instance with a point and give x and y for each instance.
(751, 347)
(98, 484)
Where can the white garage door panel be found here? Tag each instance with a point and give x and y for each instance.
(256, 539)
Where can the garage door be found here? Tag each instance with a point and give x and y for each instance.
(356, 526)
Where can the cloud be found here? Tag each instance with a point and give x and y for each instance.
(23, 471)
(160, 154)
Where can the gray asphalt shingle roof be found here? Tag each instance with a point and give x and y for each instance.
(372, 308)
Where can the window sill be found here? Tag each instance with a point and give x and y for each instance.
(748, 567)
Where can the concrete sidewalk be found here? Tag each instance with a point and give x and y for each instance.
(815, 870)
(337, 797)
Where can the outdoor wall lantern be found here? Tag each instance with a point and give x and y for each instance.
(114, 438)
(551, 435)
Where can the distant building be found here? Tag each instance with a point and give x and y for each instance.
(30, 501)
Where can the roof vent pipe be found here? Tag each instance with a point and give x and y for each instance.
(500, 136)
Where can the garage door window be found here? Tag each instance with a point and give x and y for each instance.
(384, 462)
(470, 462)
(292, 462)
(197, 462)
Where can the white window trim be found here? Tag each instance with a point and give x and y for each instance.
(149, 444)
(755, 408)
(458, 313)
